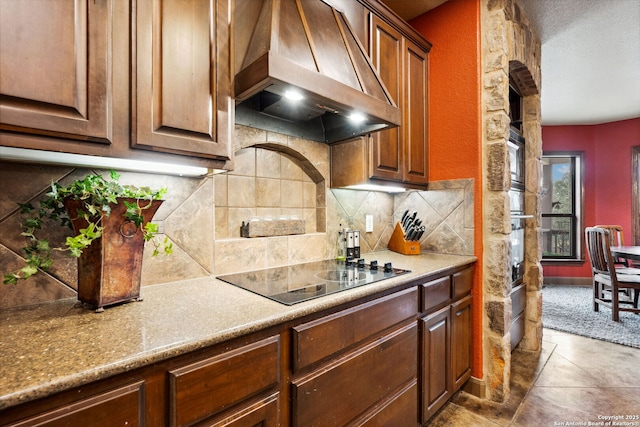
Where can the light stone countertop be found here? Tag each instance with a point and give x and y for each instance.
(55, 346)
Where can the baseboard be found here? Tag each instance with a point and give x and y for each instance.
(476, 387)
(569, 281)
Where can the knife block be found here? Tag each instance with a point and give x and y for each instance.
(397, 243)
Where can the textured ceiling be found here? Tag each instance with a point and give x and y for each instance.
(590, 56)
(590, 59)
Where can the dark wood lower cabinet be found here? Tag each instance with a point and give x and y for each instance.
(122, 406)
(461, 352)
(264, 413)
(236, 383)
(400, 410)
(393, 360)
(358, 366)
(337, 394)
(446, 333)
(209, 386)
(436, 361)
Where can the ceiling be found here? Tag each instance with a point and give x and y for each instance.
(590, 56)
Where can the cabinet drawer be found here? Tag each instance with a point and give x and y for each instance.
(324, 337)
(209, 386)
(462, 282)
(401, 410)
(263, 413)
(122, 406)
(345, 390)
(435, 293)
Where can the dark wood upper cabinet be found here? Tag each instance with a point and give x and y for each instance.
(56, 69)
(143, 79)
(387, 55)
(183, 86)
(400, 154)
(400, 56)
(415, 114)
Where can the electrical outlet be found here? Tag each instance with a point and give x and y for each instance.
(368, 219)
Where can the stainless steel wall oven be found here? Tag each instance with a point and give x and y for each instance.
(518, 218)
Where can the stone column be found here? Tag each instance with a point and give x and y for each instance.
(509, 49)
(497, 224)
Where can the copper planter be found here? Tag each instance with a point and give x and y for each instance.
(109, 270)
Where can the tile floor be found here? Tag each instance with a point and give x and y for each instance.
(573, 381)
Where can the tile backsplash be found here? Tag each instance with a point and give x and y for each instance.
(273, 176)
(266, 184)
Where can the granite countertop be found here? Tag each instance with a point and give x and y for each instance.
(55, 346)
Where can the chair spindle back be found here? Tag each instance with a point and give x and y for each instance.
(616, 237)
(598, 247)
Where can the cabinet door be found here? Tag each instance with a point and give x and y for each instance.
(387, 153)
(436, 357)
(55, 68)
(183, 85)
(415, 124)
(461, 341)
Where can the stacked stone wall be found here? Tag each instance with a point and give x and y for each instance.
(510, 49)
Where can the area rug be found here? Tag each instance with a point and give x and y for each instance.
(570, 309)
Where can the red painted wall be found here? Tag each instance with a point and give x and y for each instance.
(607, 176)
(454, 117)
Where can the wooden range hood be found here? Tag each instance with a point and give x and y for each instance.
(305, 47)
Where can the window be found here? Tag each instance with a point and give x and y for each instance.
(562, 206)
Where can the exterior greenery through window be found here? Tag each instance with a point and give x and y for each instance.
(562, 206)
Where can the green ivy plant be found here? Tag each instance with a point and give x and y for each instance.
(97, 193)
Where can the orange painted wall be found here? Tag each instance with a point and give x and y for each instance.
(454, 117)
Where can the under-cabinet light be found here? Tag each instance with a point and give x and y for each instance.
(293, 95)
(373, 187)
(79, 160)
(357, 117)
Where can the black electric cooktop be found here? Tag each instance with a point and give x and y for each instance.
(301, 282)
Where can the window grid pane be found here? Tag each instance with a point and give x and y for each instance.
(560, 206)
(558, 236)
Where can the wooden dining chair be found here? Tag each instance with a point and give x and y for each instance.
(616, 238)
(608, 282)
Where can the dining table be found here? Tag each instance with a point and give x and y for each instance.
(627, 252)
